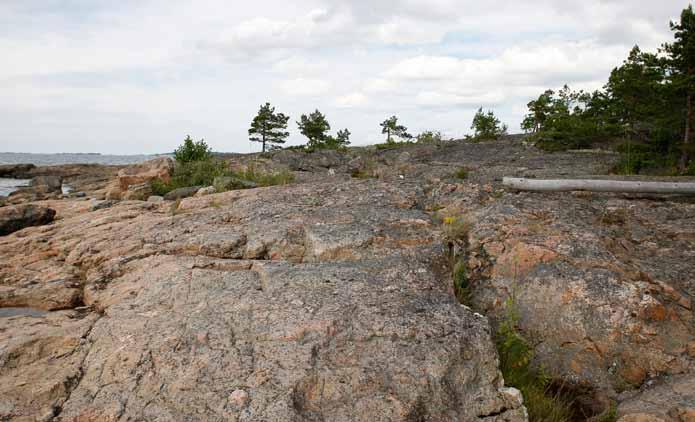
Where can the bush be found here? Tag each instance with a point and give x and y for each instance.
(204, 173)
(645, 158)
(429, 137)
(461, 173)
(192, 151)
(456, 228)
(393, 145)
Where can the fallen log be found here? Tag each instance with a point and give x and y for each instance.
(536, 185)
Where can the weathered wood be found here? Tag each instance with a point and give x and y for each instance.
(537, 185)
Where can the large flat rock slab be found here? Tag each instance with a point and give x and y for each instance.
(329, 301)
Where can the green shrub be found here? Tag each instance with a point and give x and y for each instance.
(690, 171)
(461, 173)
(456, 228)
(611, 415)
(462, 287)
(192, 151)
(203, 173)
(429, 137)
(393, 145)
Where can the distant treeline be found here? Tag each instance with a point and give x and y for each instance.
(646, 105)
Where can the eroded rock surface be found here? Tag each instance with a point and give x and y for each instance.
(308, 302)
(332, 299)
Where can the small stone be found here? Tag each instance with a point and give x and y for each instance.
(209, 190)
(155, 199)
(238, 398)
(202, 337)
(100, 205)
(691, 349)
(512, 396)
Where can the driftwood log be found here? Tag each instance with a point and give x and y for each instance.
(537, 185)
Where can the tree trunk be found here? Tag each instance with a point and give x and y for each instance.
(683, 164)
(264, 142)
(536, 185)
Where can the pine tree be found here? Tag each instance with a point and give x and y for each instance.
(487, 125)
(391, 128)
(681, 55)
(315, 128)
(539, 113)
(269, 128)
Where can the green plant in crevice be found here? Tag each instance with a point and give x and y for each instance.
(462, 287)
(516, 356)
(610, 415)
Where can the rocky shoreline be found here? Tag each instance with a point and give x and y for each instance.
(333, 298)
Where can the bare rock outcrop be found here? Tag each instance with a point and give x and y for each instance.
(669, 400)
(603, 285)
(139, 175)
(305, 302)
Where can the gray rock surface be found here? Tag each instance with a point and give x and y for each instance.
(225, 183)
(181, 193)
(305, 302)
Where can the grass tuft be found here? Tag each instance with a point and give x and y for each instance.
(461, 174)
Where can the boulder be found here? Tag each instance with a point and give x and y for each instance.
(17, 217)
(155, 199)
(45, 185)
(159, 168)
(209, 190)
(225, 183)
(181, 193)
(16, 171)
(137, 192)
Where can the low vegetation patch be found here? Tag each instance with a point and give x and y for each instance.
(456, 228)
(263, 178)
(461, 174)
(545, 402)
(195, 166)
(542, 401)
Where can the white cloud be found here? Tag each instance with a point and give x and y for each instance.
(306, 87)
(356, 99)
(83, 75)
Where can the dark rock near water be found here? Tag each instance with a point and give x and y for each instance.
(16, 171)
(43, 185)
(14, 218)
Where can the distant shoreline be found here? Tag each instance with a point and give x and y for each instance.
(72, 158)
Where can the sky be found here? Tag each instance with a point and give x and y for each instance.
(137, 76)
